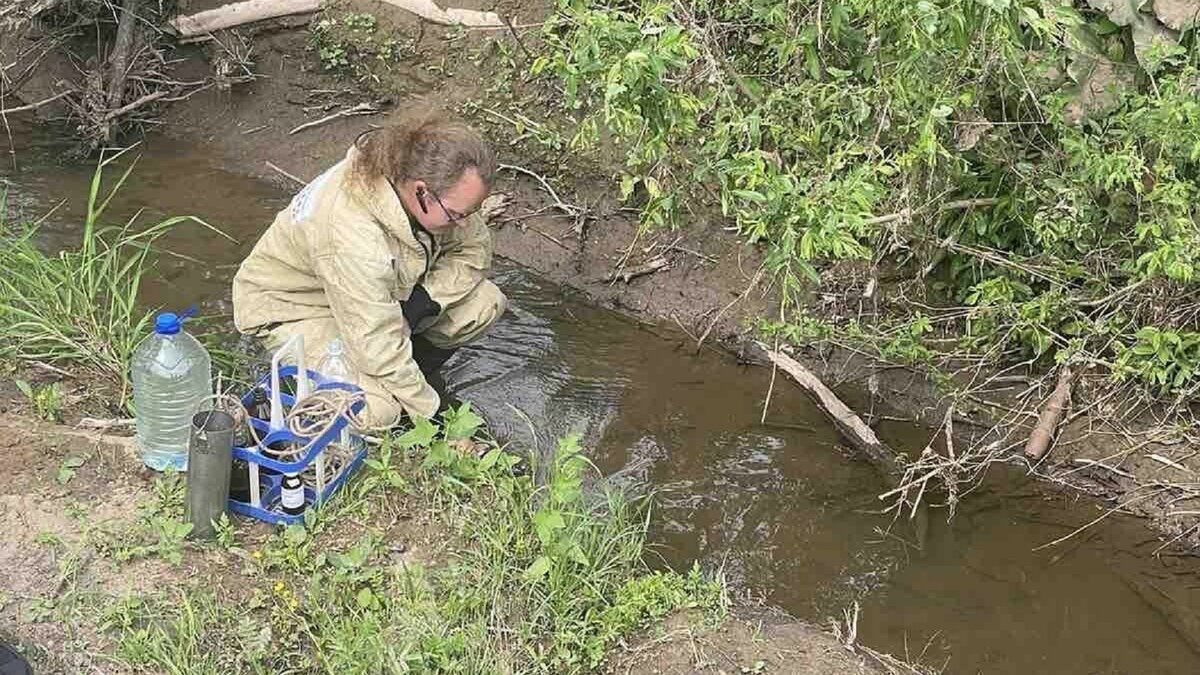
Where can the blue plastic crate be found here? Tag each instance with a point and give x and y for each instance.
(270, 471)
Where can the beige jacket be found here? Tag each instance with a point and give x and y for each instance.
(349, 252)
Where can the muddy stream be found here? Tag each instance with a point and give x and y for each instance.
(786, 511)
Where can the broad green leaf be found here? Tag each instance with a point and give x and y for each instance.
(420, 436)
(295, 535)
(1120, 12)
(366, 599)
(546, 522)
(462, 423)
(538, 569)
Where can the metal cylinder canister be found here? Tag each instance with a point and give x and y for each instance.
(210, 455)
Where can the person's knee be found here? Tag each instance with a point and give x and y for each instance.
(493, 303)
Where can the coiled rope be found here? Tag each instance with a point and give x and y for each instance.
(311, 417)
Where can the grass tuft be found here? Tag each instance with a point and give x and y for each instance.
(79, 306)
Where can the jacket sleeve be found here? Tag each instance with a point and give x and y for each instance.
(464, 258)
(358, 287)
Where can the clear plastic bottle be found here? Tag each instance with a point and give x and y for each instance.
(172, 374)
(335, 367)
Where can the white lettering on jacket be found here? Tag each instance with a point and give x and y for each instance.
(306, 200)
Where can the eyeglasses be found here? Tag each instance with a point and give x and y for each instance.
(451, 215)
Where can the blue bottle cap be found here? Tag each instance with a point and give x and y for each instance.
(166, 323)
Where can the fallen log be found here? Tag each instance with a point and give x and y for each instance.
(1043, 432)
(428, 10)
(239, 13)
(848, 423)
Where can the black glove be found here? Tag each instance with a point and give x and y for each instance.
(419, 306)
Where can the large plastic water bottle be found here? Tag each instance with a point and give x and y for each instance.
(172, 374)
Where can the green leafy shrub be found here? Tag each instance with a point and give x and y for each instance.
(1014, 156)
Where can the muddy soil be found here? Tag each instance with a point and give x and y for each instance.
(753, 641)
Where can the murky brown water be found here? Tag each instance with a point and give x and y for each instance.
(784, 511)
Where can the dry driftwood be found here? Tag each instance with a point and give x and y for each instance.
(16, 14)
(428, 10)
(1043, 433)
(240, 13)
(848, 423)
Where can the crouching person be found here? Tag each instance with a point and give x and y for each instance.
(388, 252)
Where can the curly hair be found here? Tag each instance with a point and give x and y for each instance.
(428, 145)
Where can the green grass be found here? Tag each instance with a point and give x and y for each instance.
(546, 576)
(79, 307)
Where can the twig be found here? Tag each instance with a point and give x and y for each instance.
(630, 273)
(547, 236)
(104, 424)
(53, 369)
(255, 130)
(948, 206)
(770, 387)
(360, 109)
(568, 208)
(743, 294)
(1115, 294)
(285, 174)
(1102, 465)
(39, 104)
(130, 107)
(513, 30)
(1169, 462)
(1095, 520)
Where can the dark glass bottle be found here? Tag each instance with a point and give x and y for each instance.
(291, 494)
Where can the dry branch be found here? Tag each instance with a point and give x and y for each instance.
(128, 108)
(851, 426)
(948, 206)
(1052, 412)
(360, 109)
(240, 13)
(122, 55)
(39, 104)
